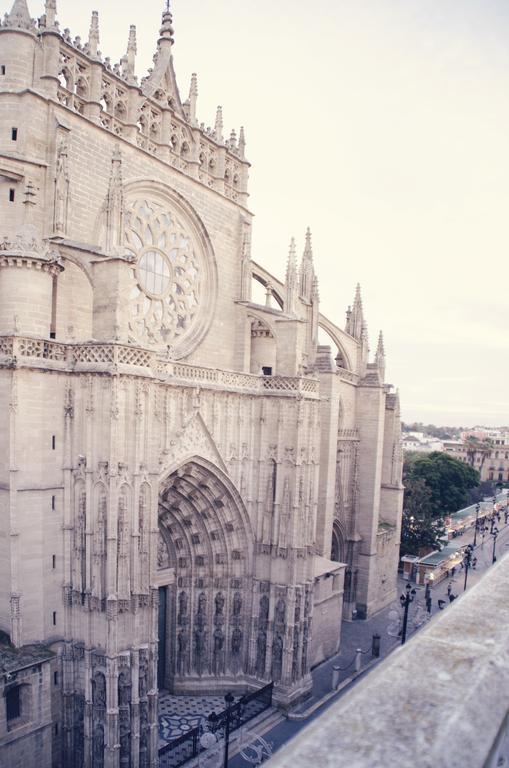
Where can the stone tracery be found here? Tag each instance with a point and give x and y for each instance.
(167, 276)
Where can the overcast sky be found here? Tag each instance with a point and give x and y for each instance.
(384, 126)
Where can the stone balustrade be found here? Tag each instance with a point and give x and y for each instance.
(440, 700)
(19, 350)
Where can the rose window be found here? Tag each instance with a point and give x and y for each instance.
(167, 275)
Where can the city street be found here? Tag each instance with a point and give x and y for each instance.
(358, 634)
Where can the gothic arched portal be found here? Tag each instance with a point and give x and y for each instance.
(337, 544)
(207, 543)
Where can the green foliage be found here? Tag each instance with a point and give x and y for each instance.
(448, 479)
(436, 484)
(421, 531)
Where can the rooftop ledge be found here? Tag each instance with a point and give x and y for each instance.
(112, 357)
(440, 701)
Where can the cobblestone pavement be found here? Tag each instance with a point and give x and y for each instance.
(180, 714)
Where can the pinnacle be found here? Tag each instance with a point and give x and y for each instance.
(50, 12)
(193, 90)
(20, 16)
(218, 129)
(131, 45)
(93, 38)
(308, 250)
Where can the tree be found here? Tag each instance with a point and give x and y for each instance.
(448, 479)
(421, 530)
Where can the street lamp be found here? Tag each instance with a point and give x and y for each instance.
(229, 700)
(494, 533)
(469, 551)
(405, 601)
(477, 508)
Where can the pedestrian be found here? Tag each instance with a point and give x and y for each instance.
(449, 588)
(474, 563)
(452, 597)
(453, 572)
(428, 604)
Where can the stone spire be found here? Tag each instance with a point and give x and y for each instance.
(355, 324)
(162, 76)
(242, 142)
(307, 270)
(193, 98)
(131, 50)
(291, 280)
(93, 37)
(380, 356)
(50, 13)
(19, 17)
(218, 128)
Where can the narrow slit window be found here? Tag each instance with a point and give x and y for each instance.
(12, 195)
(53, 442)
(54, 618)
(52, 502)
(2, 69)
(53, 561)
(14, 134)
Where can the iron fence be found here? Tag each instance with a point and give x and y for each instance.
(178, 751)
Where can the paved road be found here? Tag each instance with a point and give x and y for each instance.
(358, 634)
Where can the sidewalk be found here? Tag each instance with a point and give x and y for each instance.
(358, 634)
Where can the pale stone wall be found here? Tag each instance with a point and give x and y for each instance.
(28, 741)
(142, 449)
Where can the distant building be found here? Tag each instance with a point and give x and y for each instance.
(485, 450)
(418, 441)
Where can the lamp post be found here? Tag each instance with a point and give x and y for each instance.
(494, 533)
(229, 699)
(469, 551)
(405, 601)
(212, 718)
(477, 508)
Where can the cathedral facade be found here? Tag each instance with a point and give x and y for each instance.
(193, 490)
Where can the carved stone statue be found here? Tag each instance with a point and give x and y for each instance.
(277, 657)
(237, 604)
(261, 652)
(280, 612)
(182, 642)
(236, 641)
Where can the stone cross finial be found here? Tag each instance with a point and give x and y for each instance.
(167, 30)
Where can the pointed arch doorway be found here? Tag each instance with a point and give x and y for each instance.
(204, 576)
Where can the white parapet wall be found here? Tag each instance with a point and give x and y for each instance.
(442, 700)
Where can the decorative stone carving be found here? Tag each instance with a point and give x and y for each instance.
(163, 557)
(61, 202)
(123, 553)
(80, 558)
(167, 283)
(182, 651)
